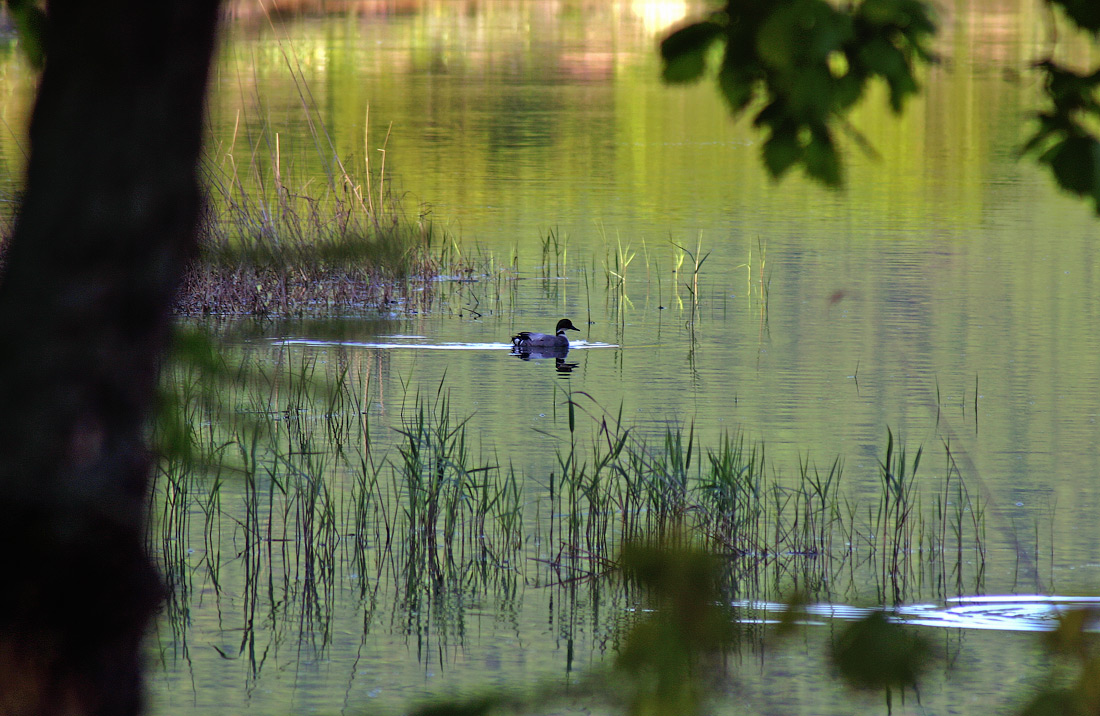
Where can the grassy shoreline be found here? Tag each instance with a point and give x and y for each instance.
(266, 250)
(298, 280)
(300, 255)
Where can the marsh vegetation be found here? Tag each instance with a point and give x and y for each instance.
(288, 496)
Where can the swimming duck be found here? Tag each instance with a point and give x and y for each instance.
(526, 340)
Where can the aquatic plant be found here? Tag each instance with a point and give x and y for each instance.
(279, 489)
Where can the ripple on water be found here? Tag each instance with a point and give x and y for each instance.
(999, 612)
(419, 342)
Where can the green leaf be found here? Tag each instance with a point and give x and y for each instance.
(901, 86)
(773, 115)
(1052, 702)
(811, 94)
(848, 89)
(1068, 90)
(684, 68)
(781, 151)
(684, 51)
(737, 84)
(881, 57)
(912, 18)
(801, 33)
(1086, 13)
(793, 614)
(821, 160)
(1074, 163)
(1049, 124)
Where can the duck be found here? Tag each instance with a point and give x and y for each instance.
(526, 340)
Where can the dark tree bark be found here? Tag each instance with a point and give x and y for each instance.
(106, 224)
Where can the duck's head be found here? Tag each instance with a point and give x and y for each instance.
(565, 325)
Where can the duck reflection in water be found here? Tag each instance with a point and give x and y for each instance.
(558, 354)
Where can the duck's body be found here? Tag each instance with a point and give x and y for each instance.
(526, 340)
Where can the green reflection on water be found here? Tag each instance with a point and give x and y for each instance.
(948, 292)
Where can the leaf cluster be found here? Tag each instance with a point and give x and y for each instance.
(808, 62)
(877, 653)
(1064, 140)
(1072, 685)
(1083, 13)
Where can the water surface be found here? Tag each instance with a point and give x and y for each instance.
(949, 294)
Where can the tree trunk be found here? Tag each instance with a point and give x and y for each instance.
(106, 223)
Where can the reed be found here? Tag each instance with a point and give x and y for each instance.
(698, 258)
(555, 254)
(274, 243)
(276, 486)
(733, 491)
(300, 252)
(758, 281)
(619, 487)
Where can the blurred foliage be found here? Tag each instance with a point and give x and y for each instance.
(794, 613)
(475, 707)
(1084, 13)
(30, 23)
(877, 653)
(1064, 141)
(667, 656)
(670, 658)
(193, 350)
(1072, 685)
(808, 62)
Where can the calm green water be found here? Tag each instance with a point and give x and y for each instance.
(948, 294)
(945, 265)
